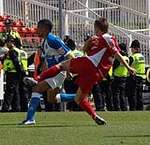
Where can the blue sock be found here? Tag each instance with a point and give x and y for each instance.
(34, 103)
(63, 97)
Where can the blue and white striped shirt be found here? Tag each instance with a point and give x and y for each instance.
(54, 50)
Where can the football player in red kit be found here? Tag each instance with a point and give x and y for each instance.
(101, 50)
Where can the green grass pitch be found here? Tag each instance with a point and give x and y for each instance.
(76, 128)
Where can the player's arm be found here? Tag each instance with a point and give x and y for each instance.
(121, 59)
(115, 50)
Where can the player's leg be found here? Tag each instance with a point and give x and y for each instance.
(64, 97)
(84, 68)
(55, 96)
(54, 70)
(48, 84)
(82, 100)
(35, 101)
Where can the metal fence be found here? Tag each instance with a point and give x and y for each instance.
(79, 15)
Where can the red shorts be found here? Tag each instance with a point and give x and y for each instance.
(88, 74)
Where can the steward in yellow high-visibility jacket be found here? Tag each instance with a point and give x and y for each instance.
(13, 72)
(120, 74)
(11, 33)
(135, 83)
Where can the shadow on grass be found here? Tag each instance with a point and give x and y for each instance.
(7, 124)
(54, 126)
(14, 125)
(129, 136)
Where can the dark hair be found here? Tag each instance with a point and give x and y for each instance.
(123, 48)
(102, 24)
(46, 23)
(87, 37)
(135, 44)
(8, 22)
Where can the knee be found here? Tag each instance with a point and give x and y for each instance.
(78, 98)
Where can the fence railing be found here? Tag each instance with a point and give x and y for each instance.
(79, 15)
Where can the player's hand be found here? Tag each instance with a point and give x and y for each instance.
(37, 78)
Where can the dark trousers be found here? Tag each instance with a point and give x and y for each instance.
(24, 96)
(118, 91)
(50, 106)
(134, 92)
(71, 88)
(11, 96)
(102, 96)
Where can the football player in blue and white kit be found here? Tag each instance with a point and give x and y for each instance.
(53, 51)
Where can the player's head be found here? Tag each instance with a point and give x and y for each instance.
(44, 27)
(101, 25)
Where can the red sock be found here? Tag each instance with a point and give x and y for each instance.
(85, 104)
(51, 72)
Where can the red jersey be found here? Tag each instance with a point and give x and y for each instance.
(102, 52)
(95, 66)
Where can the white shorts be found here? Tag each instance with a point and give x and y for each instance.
(56, 81)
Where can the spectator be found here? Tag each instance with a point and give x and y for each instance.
(135, 83)
(14, 34)
(120, 73)
(8, 34)
(102, 91)
(23, 90)
(102, 94)
(13, 72)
